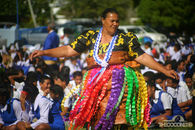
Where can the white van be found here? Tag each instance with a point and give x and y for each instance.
(144, 31)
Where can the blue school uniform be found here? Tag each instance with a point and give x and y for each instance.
(36, 112)
(55, 119)
(40, 111)
(9, 116)
(158, 109)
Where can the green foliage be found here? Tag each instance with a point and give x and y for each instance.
(40, 7)
(93, 8)
(42, 11)
(176, 14)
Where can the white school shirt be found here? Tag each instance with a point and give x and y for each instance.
(146, 69)
(185, 50)
(186, 89)
(19, 85)
(148, 51)
(66, 40)
(1, 120)
(159, 87)
(44, 105)
(42, 93)
(17, 110)
(67, 101)
(19, 88)
(170, 50)
(73, 83)
(72, 67)
(166, 99)
(38, 85)
(180, 74)
(179, 93)
(67, 90)
(176, 56)
(27, 114)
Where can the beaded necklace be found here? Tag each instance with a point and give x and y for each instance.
(104, 62)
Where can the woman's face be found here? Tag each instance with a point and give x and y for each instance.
(110, 23)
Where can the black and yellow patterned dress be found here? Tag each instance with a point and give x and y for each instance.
(119, 96)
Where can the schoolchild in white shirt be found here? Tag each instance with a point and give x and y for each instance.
(182, 95)
(35, 109)
(181, 69)
(10, 108)
(163, 106)
(45, 84)
(55, 118)
(62, 80)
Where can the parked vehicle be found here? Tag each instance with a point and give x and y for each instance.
(39, 34)
(144, 31)
(34, 35)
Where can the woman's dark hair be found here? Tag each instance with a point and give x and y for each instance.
(65, 70)
(31, 77)
(5, 91)
(151, 84)
(56, 89)
(108, 10)
(32, 92)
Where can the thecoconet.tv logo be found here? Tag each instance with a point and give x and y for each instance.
(177, 121)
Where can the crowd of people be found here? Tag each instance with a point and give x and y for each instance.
(31, 91)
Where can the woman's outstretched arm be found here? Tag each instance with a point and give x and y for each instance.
(64, 51)
(149, 61)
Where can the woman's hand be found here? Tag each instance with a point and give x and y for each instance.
(148, 61)
(172, 74)
(36, 53)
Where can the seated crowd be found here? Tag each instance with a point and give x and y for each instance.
(31, 92)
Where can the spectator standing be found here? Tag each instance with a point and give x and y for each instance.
(66, 39)
(52, 41)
